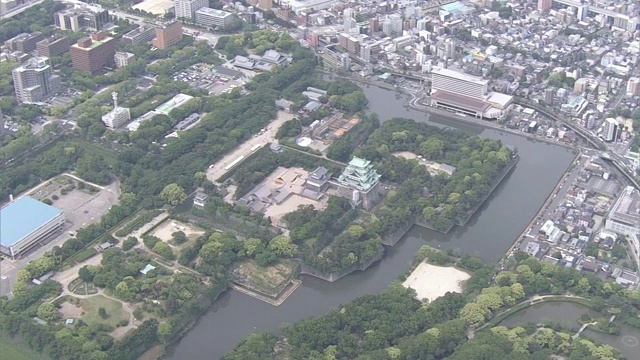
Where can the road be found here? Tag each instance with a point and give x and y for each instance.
(216, 170)
(559, 196)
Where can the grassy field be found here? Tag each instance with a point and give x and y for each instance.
(115, 311)
(16, 351)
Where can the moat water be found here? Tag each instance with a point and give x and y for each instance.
(488, 234)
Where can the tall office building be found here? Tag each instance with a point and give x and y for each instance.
(349, 43)
(544, 4)
(93, 53)
(458, 83)
(213, 18)
(610, 129)
(34, 81)
(186, 9)
(392, 25)
(633, 86)
(168, 35)
(348, 19)
(75, 19)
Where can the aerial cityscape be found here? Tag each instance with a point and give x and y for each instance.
(319, 179)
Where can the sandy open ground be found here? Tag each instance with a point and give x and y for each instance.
(430, 281)
(164, 231)
(405, 154)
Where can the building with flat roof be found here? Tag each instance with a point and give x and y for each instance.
(27, 222)
(460, 92)
(53, 46)
(624, 218)
(186, 9)
(174, 103)
(140, 35)
(610, 130)
(93, 53)
(35, 81)
(118, 116)
(24, 42)
(213, 18)
(123, 58)
(459, 83)
(167, 35)
(75, 19)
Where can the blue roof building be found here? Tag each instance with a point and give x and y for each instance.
(27, 222)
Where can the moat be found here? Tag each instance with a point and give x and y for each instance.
(488, 234)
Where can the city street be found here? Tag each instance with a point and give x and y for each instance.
(558, 197)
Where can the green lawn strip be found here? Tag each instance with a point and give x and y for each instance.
(115, 310)
(17, 351)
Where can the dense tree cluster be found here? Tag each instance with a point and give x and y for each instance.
(393, 325)
(439, 200)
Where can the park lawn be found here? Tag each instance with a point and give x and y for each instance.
(17, 351)
(114, 308)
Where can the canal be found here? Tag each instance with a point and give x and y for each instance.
(488, 234)
(567, 314)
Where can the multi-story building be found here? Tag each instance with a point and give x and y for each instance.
(24, 42)
(265, 4)
(610, 129)
(34, 81)
(624, 218)
(118, 116)
(544, 4)
(633, 86)
(93, 53)
(53, 46)
(459, 83)
(168, 35)
(141, 35)
(392, 25)
(459, 92)
(349, 43)
(209, 17)
(74, 19)
(123, 58)
(186, 9)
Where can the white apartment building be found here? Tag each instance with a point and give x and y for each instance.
(186, 9)
(459, 83)
(213, 18)
(609, 129)
(123, 58)
(34, 81)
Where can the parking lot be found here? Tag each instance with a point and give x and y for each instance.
(204, 76)
(81, 208)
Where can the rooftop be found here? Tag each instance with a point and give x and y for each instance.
(459, 75)
(23, 216)
(213, 12)
(461, 101)
(627, 208)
